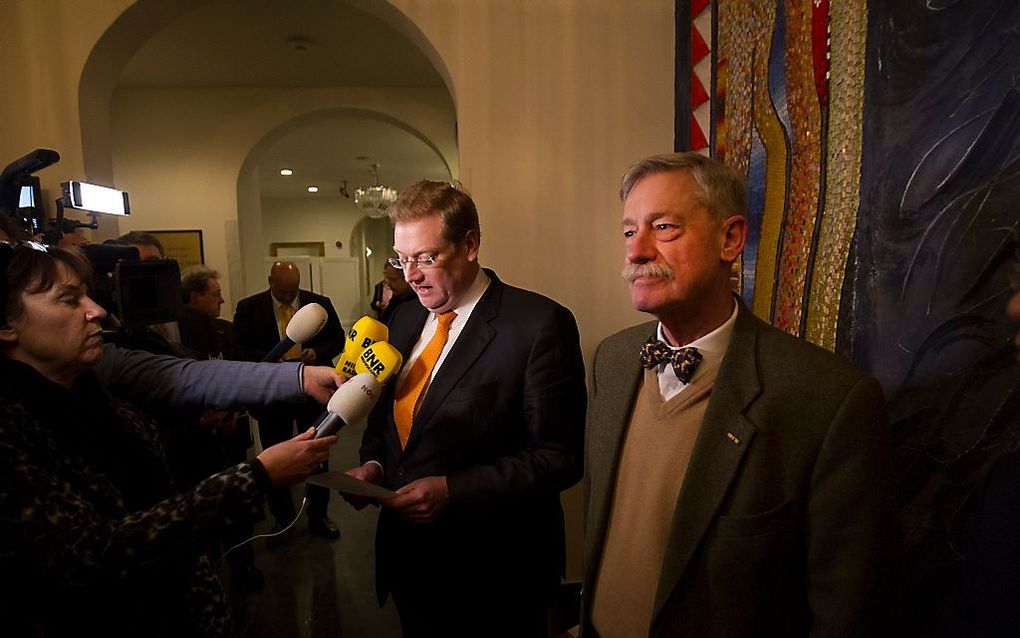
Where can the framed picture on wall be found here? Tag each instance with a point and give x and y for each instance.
(183, 245)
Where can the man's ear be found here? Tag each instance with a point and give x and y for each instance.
(471, 242)
(734, 236)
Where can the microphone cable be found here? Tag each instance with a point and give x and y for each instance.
(304, 503)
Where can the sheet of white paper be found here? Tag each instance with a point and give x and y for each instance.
(349, 485)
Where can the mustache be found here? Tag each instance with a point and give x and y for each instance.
(631, 272)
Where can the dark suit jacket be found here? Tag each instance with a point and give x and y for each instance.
(255, 326)
(207, 337)
(503, 420)
(395, 300)
(784, 523)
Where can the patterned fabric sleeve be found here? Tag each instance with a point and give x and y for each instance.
(73, 522)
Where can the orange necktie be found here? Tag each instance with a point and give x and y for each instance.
(283, 317)
(405, 404)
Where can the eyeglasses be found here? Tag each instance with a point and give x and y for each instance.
(403, 263)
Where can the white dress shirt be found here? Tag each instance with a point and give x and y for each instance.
(712, 348)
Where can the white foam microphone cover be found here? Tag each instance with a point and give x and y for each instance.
(355, 399)
(306, 323)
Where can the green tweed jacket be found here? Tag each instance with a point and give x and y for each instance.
(784, 525)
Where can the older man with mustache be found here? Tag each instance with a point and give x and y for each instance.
(739, 479)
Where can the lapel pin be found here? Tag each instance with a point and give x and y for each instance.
(734, 439)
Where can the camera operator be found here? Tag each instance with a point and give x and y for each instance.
(226, 434)
(148, 245)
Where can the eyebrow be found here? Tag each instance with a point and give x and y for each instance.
(66, 287)
(652, 217)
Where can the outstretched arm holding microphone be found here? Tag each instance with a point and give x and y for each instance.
(285, 322)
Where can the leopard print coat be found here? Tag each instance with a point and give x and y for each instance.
(93, 537)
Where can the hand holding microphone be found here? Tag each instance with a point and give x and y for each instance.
(302, 327)
(351, 403)
(380, 361)
(293, 461)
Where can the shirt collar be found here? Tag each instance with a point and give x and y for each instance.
(714, 342)
(277, 304)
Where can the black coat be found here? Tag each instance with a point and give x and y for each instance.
(503, 420)
(257, 332)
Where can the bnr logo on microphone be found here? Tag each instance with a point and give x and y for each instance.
(366, 342)
(374, 365)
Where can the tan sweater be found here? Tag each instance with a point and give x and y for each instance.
(656, 451)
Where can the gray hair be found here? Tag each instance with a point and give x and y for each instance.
(722, 190)
(197, 282)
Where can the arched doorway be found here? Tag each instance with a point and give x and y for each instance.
(184, 108)
(335, 151)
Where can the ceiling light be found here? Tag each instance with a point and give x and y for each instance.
(374, 200)
(313, 189)
(286, 171)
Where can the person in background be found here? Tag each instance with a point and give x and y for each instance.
(89, 514)
(202, 330)
(260, 322)
(390, 293)
(148, 245)
(222, 437)
(479, 434)
(739, 479)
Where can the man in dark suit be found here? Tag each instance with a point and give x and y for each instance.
(480, 433)
(260, 322)
(739, 479)
(223, 436)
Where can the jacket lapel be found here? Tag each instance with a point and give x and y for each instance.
(722, 442)
(472, 341)
(608, 418)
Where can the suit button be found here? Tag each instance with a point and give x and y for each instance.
(400, 471)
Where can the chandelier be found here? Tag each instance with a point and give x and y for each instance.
(374, 200)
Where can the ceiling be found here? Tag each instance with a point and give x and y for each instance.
(279, 43)
(300, 43)
(325, 153)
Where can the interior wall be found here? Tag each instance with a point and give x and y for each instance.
(312, 219)
(181, 153)
(45, 45)
(554, 99)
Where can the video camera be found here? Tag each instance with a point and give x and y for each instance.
(139, 293)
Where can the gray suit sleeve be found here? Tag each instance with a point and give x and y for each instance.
(170, 381)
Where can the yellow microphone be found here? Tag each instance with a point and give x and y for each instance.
(381, 360)
(363, 333)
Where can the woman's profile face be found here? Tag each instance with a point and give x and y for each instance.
(58, 332)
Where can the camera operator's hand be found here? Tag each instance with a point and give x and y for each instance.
(320, 382)
(293, 461)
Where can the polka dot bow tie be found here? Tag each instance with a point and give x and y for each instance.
(684, 360)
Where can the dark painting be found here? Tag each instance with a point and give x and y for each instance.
(936, 253)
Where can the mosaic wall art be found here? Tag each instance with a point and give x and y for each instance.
(881, 145)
